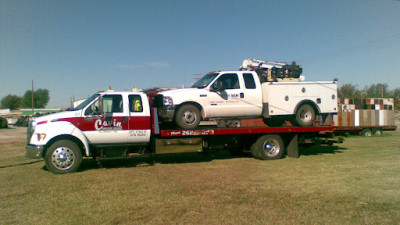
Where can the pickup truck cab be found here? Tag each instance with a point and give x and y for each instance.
(240, 94)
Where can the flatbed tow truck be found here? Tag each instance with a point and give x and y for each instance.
(123, 124)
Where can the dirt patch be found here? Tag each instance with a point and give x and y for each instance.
(13, 135)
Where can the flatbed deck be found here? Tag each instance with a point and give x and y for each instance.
(247, 130)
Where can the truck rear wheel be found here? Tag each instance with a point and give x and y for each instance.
(377, 131)
(63, 156)
(3, 123)
(269, 146)
(305, 116)
(366, 132)
(188, 117)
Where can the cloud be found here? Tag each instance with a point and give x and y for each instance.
(156, 64)
(128, 66)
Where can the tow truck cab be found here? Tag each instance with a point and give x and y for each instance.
(108, 118)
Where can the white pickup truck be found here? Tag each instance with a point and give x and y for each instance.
(240, 94)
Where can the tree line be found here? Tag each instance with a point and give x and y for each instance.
(373, 91)
(41, 98)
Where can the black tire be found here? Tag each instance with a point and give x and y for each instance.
(377, 131)
(3, 123)
(267, 147)
(274, 122)
(366, 132)
(305, 116)
(63, 156)
(187, 117)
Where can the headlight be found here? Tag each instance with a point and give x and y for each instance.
(168, 100)
(33, 125)
(30, 130)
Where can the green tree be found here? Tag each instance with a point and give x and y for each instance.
(348, 91)
(376, 91)
(11, 102)
(40, 99)
(395, 94)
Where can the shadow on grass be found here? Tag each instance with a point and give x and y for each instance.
(21, 164)
(151, 160)
(179, 158)
(320, 149)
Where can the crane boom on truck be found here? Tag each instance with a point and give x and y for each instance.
(273, 71)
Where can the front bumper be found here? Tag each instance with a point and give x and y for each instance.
(166, 113)
(34, 152)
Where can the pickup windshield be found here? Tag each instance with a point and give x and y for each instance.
(86, 102)
(205, 81)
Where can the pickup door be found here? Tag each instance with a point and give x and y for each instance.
(110, 127)
(234, 95)
(126, 119)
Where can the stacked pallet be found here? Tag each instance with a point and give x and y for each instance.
(369, 112)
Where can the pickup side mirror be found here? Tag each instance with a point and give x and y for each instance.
(100, 109)
(217, 86)
(212, 89)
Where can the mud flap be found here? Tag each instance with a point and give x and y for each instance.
(292, 146)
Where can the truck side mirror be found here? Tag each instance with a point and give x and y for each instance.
(100, 108)
(212, 89)
(220, 86)
(217, 86)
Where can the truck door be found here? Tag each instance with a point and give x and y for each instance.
(225, 96)
(110, 125)
(139, 119)
(232, 95)
(252, 96)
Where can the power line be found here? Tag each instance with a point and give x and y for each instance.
(337, 53)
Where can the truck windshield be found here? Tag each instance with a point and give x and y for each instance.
(205, 81)
(86, 102)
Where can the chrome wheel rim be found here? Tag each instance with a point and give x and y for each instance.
(189, 117)
(63, 158)
(271, 147)
(305, 116)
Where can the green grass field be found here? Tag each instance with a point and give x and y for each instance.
(357, 182)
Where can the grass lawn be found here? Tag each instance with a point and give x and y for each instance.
(357, 182)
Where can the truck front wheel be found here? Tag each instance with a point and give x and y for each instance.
(268, 146)
(63, 156)
(188, 117)
(305, 116)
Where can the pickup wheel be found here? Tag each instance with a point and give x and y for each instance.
(305, 116)
(188, 117)
(63, 156)
(269, 146)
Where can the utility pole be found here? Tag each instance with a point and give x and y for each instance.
(197, 76)
(33, 111)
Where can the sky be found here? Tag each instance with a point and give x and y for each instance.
(75, 48)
